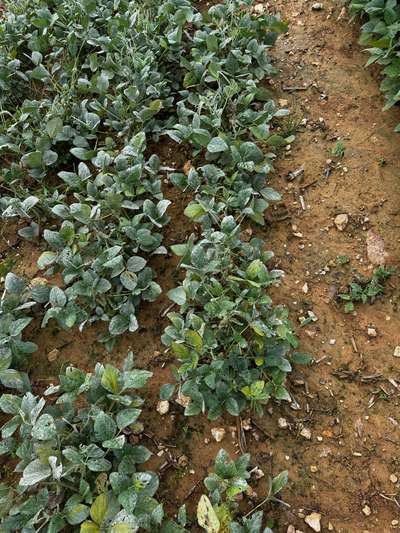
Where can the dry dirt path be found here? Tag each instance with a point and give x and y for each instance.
(347, 471)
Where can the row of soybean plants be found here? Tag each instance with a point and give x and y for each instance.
(380, 33)
(85, 86)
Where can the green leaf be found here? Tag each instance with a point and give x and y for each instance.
(17, 326)
(104, 427)
(118, 324)
(98, 465)
(255, 269)
(136, 263)
(179, 249)
(82, 153)
(46, 259)
(54, 127)
(279, 482)
(136, 379)
(56, 524)
(126, 417)
(232, 407)
(117, 443)
(40, 73)
(167, 390)
(76, 513)
(44, 428)
(34, 472)
(12, 379)
(177, 295)
(194, 211)
(282, 394)
(216, 145)
(32, 159)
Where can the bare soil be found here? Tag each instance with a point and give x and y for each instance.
(349, 398)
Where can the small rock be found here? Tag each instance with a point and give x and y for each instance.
(376, 249)
(317, 6)
(282, 423)
(218, 434)
(305, 288)
(163, 407)
(259, 9)
(394, 522)
(187, 167)
(396, 352)
(306, 433)
(183, 400)
(341, 221)
(282, 102)
(367, 510)
(53, 355)
(330, 526)
(332, 341)
(371, 332)
(291, 529)
(313, 469)
(314, 521)
(183, 461)
(246, 424)
(393, 478)
(246, 235)
(38, 281)
(257, 473)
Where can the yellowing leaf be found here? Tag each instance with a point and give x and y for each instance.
(89, 527)
(122, 527)
(99, 508)
(110, 380)
(256, 327)
(206, 516)
(194, 339)
(282, 331)
(259, 361)
(155, 105)
(180, 350)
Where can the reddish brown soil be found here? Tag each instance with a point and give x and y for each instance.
(349, 399)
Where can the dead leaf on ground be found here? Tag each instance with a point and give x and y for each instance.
(187, 167)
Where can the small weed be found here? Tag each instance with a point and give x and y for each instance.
(338, 150)
(366, 290)
(291, 124)
(342, 260)
(6, 265)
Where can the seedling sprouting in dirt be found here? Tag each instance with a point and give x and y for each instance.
(291, 124)
(364, 290)
(342, 260)
(6, 265)
(338, 150)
